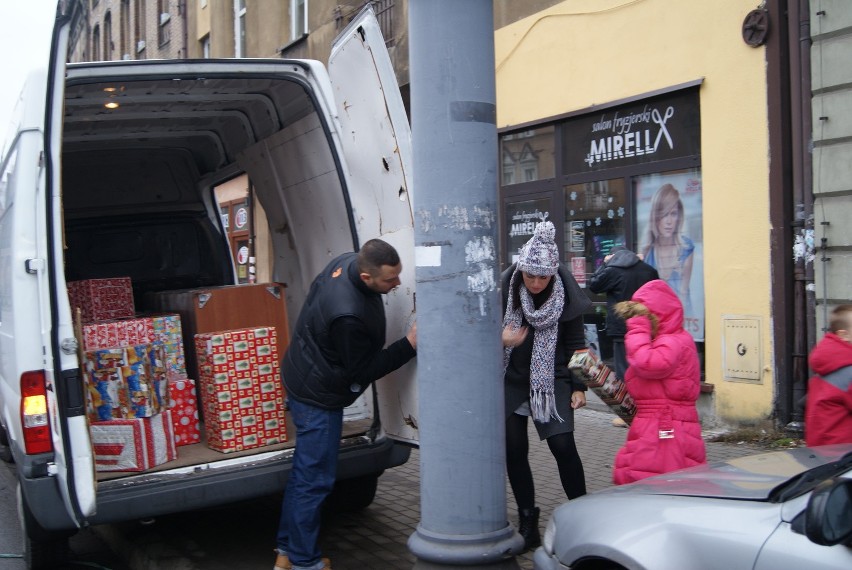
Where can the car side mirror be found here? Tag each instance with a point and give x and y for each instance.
(828, 519)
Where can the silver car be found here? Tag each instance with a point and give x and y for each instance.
(781, 510)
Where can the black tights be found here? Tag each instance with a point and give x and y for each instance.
(562, 447)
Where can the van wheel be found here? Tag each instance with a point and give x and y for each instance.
(42, 549)
(5, 449)
(352, 495)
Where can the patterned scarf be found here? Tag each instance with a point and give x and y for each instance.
(545, 324)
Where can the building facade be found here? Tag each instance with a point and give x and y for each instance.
(133, 29)
(616, 114)
(607, 111)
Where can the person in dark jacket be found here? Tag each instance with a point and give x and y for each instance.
(336, 352)
(620, 275)
(542, 327)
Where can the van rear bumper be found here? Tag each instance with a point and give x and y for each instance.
(161, 493)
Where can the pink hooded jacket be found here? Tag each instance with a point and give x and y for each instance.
(664, 380)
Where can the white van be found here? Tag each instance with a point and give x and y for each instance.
(88, 191)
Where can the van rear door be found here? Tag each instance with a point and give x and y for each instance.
(73, 461)
(376, 140)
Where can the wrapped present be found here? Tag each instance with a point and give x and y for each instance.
(102, 299)
(125, 382)
(240, 388)
(169, 332)
(603, 382)
(183, 404)
(164, 330)
(133, 445)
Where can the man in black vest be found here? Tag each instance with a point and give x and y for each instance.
(335, 353)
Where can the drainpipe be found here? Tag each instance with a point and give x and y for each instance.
(802, 225)
(184, 24)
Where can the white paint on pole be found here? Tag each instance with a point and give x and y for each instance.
(479, 256)
(427, 255)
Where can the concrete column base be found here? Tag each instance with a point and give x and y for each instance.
(442, 551)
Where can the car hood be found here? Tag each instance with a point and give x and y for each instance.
(748, 478)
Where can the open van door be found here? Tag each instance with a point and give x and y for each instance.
(73, 465)
(376, 140)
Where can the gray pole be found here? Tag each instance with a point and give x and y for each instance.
(460, 372)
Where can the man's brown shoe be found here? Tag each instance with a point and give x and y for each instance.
(283, 563)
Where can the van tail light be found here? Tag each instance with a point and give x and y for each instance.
(34, 419)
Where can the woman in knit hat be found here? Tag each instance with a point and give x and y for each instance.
(542, 327)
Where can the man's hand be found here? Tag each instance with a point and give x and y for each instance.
(578, 399)
(412, 336)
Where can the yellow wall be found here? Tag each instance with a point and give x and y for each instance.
(581, 53)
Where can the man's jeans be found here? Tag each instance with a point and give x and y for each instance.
(311, 480)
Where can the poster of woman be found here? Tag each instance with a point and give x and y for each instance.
(669, 214)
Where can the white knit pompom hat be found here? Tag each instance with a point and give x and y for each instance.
(539, 255)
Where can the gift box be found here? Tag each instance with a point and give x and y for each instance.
(164, 330)
(125, 382)
(102, 299)
(603, 382)
(241, 392)
(133, 445)
(183, 404)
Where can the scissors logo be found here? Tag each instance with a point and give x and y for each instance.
(663, 132)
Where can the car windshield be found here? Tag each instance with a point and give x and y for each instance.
(805, 482)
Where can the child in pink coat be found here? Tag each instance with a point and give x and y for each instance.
(664, 380)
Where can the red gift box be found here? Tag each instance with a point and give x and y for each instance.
(164, 330)
(102, 299)
(183, 404)
(240, 388)
(133, 445)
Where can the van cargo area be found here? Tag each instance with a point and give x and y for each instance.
(141, 157)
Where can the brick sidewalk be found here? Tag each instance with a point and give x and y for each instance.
(377, 537)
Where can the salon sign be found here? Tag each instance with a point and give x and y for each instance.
(654, 129)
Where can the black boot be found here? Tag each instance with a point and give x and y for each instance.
(528, 527)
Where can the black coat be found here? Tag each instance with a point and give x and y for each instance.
(571, 337)
(619, 278)
(313, 369)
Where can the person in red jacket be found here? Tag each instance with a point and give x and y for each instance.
(828, 408)
(664, 379)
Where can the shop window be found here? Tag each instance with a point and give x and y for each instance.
(236, 219)
(669, 234)
(528, 155)
(594, 223)
(522, 216)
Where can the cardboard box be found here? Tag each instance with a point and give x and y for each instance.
(230, 307)
(241, 392)
(102, 299)
(133, 445)
(183, 404)
(604, 383)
